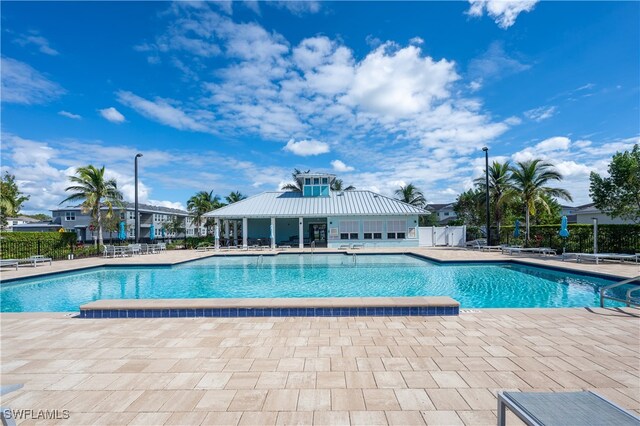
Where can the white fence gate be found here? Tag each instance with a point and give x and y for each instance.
(450, 236)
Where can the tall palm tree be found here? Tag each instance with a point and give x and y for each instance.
(199, 204)
(234, 197)
(410, 194)
(529, 180)
(500, 189)
(296, 185)
(95, 192)
(337, 185)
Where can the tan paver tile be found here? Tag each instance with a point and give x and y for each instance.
(347, 400)
(331, 418)
(301, 380)
(151, 419)
(413, 399)
(368, 418)
(252, 418)
(448, 379)
(479, 399)
(389, 380)
(380, 399)
(181, 419)
(183, 400)
(442, 418)
(314, 400)
(243, 380)
(248, 400)
(223, 418)
(214, 381)
(478, 418)
(281, 400)
(404, 418)
(294, 418)
(215, 400)
(330, 380)
(419, 380)
(447, 399)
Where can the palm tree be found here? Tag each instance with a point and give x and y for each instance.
(500, 189)
(410, 194)
(297, 184)
(199, 204)
(336, 185)
(95, 192)
(234, 197)
(529, 179)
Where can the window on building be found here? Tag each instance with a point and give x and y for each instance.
(307, 181)
(70, 216)
(325, 181)
(121, 215)
(372, 229)
(396, 229)
(446, 213)
(132, 215)
(349, 229)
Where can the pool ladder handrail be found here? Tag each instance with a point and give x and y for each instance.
(260, 260)
(627, 300)
(355, 258)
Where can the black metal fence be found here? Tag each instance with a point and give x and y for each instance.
(17, 249)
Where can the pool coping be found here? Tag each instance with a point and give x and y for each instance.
(271, 307)
(272, 254)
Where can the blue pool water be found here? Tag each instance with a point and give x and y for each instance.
(321, 275)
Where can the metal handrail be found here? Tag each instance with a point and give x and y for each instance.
(627, 300)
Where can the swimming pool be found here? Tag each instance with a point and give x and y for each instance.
(477, 285)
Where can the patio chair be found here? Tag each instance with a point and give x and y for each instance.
(108, 250)
(608, 256)
(476, 244)
(357, 246)
(343, 247)
(34, 260)
(9, 263)
(563, 408)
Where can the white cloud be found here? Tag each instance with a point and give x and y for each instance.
(339, 166)
(70, 115)
(161, 111)
(399, 82)
(301, 7)
(493, 64)
(503, 12)
(558, 143)
(306, 148)
(170, 204)
(111, 114)
(540, 113)
(21, 84)
(37, 40)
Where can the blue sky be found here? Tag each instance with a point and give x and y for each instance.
(232, 96)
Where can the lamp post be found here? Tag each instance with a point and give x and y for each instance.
(486, 176)
(137, 219)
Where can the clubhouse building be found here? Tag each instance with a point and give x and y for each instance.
(318, 216)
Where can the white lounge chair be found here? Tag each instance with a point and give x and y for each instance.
(476, 244)
(607, 256)
(34, 260)
(357, 246)
(9, 263)
(343, 247)
(535, 250)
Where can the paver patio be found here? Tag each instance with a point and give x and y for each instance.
(378, 370)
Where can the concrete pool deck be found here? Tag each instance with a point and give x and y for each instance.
(172, 257)
(366, 370)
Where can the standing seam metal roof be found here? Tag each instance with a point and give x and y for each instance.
(293, 204)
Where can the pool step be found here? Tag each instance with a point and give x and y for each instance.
(284, 307)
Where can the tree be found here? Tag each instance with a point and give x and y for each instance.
(619, 194)
(109, 224)
(95, 192)
(175, 226)
(199, 204)
(11, 198)
(337, 185)
(500, 189)
(39, 216)
(529, 180)
(234, 197)
(468, 207)
(297, 184)
(410, 194)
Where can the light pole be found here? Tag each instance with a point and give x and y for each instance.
(137, 219)
(486, 176)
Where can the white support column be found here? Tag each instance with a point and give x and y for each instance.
(273, 229)
(216, 234)
(226, 231)
(245, 233)
(235, 232)
(300, 233)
